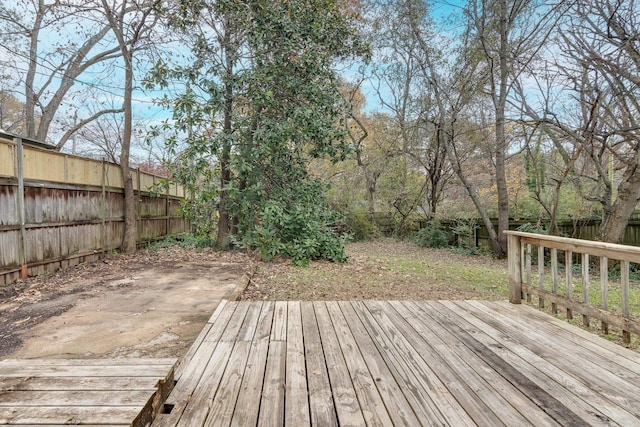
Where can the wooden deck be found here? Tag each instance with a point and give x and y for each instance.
(98, 391)
(400, 363)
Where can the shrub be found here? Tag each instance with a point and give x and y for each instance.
(360, 225)
(432, 236)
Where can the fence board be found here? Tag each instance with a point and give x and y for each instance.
(8, 204)
(6, 160)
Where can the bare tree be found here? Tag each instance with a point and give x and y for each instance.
(509, 35)
(601, 65)
(50, 66)
(405, 90)
(131, 22)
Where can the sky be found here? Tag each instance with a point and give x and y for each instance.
(106, 82)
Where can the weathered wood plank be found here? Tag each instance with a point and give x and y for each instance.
(617, 352)
(9, 371)
(75, 398)
(199, 403)
(569, 390)
(128, 362)
(224, 401)
(251, 387)
(192, 374)
(595, 248)
(604, 291)
(279, 329)
(454, 399)
(611, 355)
(373, 408)
(69, 415)
(77, 383)
(397, 405)
(617, 384)
(609, 317)
(568, 273)
(530, 399)
(406, 363)
(431, 351)
(541, 274)
(296, 402)
(321, 404)
(232, 330)
(200, 365)
(515, 270)
(462, 355)
(272, 406)
(427, 396)
(342, 388)
(585, 286)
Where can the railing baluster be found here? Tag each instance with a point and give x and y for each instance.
(568, 269)
(528, 267)
(624, 283)
(520, 278)
(554, 277)
(585, 286)
(604, 290)
(541, 274)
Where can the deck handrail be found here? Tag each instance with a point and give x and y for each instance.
(520, 246)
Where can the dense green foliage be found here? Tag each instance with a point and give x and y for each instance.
(261, 99)
(432, 236)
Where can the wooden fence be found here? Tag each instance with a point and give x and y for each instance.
(58, 210)
(616, 301)
(478, 236)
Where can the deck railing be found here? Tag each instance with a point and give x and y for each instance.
(557, 285)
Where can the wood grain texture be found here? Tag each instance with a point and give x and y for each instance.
(87, 392)
(404, 363)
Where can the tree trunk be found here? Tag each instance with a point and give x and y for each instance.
(501, 183)
(130, 229)
(614, 224)
(493, 237)
(30, 94)
(500, 99)
(224, 222)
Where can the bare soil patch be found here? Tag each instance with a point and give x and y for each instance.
(61, 314)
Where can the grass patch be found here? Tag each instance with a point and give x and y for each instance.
(386, 269)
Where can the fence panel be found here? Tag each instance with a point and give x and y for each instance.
(58, 210)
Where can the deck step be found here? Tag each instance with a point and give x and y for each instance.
(83, 391)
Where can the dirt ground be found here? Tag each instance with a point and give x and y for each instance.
(153, 303)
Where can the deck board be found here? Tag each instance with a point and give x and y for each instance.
(459, 363)
(89, 392)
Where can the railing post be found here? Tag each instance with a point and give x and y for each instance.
(515, 268)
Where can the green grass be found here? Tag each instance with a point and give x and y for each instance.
(389, 269)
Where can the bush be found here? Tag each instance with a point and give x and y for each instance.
(360, 225)
(298, 230)
(432, 236)
(184, 241)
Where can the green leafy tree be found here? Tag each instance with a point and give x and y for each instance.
(261, 100)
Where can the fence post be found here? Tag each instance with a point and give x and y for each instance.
(19, 167)
(103, 207)
(514, 252)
